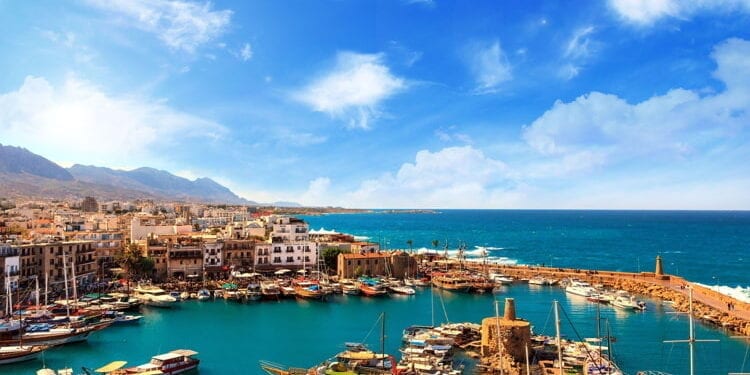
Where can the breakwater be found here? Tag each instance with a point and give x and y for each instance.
(708, 305)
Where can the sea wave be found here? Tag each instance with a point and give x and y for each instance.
(737, 292)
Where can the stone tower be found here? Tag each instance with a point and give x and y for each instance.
(659, 268)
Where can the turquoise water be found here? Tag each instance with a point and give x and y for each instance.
(709, 247)
(704, 246)
(232, 337)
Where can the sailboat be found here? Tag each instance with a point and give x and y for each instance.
(18, 352)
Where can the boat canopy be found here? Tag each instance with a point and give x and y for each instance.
(116, 365)
(229, 286)
(185, 352)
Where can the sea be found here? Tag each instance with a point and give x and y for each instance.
(706, 247)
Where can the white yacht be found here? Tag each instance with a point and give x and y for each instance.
(628, 302)
(154, 296)
(580, 288)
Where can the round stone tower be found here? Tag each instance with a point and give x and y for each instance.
(514, 334)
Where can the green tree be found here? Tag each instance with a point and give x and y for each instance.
(134, 263)
(410, 243)
(330, 258)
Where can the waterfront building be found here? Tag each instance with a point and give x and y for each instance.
(396, 263)
(239, 255)
(9, 266)
(46, 259)
(291, 246)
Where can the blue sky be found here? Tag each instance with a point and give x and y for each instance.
(496, 104)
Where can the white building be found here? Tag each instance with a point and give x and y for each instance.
(143, 226)
(11, 266)
(290, 243)
(212, 254)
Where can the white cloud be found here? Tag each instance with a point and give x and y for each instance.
(353, 90)
(181, 25)
(680, 150)
(78, 122)
(680, 123)
(646, 12)
(246, 53)
(490, 67)
(451, 178)
(317, 192)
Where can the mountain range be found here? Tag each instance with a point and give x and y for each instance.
(25, 174)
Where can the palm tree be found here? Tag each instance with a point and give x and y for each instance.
(435, 244)
(410, 243)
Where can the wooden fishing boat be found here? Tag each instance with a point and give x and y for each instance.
(20, 353)
(451, 281)
(308, 290)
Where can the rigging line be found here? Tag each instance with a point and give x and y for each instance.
(372, 328)
(442, 303)
(588, 352)
(744, 359)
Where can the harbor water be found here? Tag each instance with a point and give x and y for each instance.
(232, 337)
(708, 247)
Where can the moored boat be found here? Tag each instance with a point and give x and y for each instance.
(153, 296)
(174, 362)
(451, 281)
(308, 290)
(20, 353)
(203, 295)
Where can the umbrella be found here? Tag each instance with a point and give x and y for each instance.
(302, 271)
(282, 271)
(229, 286)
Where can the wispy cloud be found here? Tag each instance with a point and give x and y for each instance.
(246, 53)
(580, 48)
(79, 122)
(451, 134)
(181, 25)
(353, 89)
(646, 12)
(489, 66)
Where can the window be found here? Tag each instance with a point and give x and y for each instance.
(277, 259)
(289, 259)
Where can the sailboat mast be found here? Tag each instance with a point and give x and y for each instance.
(36, 283)
(691, 337)
(558, 341)
(75, 281)
(382, 339)
(65, 276)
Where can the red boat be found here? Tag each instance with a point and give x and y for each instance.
(372, 290)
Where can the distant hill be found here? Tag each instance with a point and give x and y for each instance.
(23, 173)
(17, 160)
(158, 182)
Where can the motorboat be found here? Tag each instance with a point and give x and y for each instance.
(203, 295)
(270, 290)
(153, 296)
(254, 292)
(174, 362)
(628, 302)
(580, 288)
